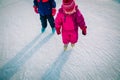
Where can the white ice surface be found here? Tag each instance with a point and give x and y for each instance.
(25, 54)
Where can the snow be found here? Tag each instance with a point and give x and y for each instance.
(26, 54)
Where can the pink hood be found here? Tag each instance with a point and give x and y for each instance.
(69, 21)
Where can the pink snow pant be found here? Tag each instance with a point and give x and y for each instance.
(69, 36)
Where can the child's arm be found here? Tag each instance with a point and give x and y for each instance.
(53, 3)
(81, 22)
(35, 3)
(58, 23)
(35, 6)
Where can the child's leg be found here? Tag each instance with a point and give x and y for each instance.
(65, 39)
(74, 38)
(43, 22)
(51, 21)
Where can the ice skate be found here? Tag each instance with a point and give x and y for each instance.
(72, 45)
(65, 47)
(42, 30)
(53, 30)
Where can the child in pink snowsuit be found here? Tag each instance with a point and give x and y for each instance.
(67, 21)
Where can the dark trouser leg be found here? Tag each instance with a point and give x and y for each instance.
(51, 21)
(43, 21)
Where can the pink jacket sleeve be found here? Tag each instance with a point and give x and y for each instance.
(58, 22)
(80, 20)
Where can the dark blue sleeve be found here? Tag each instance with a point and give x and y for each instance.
(53, 3)
(35, 3)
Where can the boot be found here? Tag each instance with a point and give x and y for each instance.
(53, 30)
(65, 47)
(72, 45)
(42, 30)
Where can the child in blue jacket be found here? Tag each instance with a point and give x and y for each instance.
(46, 9)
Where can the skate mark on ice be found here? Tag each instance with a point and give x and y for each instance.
(10, 68)
(53, 73)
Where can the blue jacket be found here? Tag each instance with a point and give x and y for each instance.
(45, 8)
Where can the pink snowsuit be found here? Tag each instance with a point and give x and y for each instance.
(69, 24)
